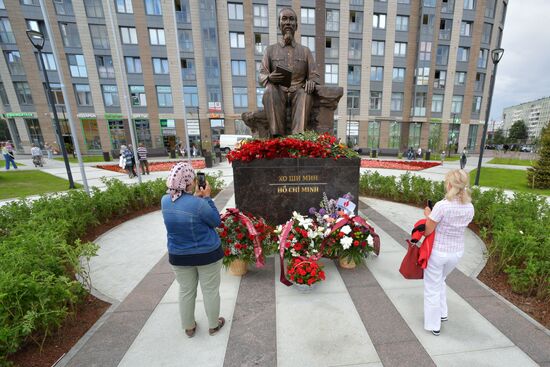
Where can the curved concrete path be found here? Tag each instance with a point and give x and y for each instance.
(370, 316)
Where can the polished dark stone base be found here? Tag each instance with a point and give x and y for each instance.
(275, 188)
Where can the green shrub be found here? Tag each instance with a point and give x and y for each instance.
(41, 254)
(516, 228)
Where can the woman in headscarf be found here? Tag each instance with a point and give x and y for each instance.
(194, 247)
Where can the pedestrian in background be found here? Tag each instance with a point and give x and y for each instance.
(194, 247)
(142, 155)
(442, 157)
(127, 160)
(9, 156)
(463, 158)
(49, 150)
(419, 153)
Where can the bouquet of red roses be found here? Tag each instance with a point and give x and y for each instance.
(305, 272)
(351, 238)
(300, 237)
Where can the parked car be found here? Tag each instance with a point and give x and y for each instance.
(490, 147)
(526, 148)
(229, 142)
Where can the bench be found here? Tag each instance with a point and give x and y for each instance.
(388, 152)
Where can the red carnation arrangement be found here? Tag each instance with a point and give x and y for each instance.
(307, 272)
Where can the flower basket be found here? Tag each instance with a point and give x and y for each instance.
(238, 267)
(346, 263)
(305, 273)
(304, 288)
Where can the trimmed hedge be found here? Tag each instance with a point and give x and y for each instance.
(41, 255)
(515, 229)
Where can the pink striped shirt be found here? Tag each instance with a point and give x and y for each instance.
(452, 218)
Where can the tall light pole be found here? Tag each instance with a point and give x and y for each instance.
(37, 40)
(496, 55)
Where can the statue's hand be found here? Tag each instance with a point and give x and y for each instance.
(276, 77)
(310, 86)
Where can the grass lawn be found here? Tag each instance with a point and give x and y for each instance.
(85, 159)
(3, 164)
(437, 157)
(511, 161)
(509, 179)
(15, 184)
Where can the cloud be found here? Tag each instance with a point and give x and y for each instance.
(523, 73)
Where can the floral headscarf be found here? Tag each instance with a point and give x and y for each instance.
(181, 176)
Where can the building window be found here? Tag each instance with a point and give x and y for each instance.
(212, 69)
(442, 55)
(379, 21)
(137, 96)
(33, 127)
(94, 9)
(259, 97)
(153, 7)
(480, 82)
(182, 11)
(238, 67)
(240, 97)
(128, 35)
(63, 7)
(476, 104)
(445, 26)
(331, 47)
(402, 23)
(400, 49)
(398, 74)
(415, 130)
(236, 40)
(376, 73)
(373, 136)
(375, 100)
(58, 98)
(261, 41)
(456, 104)
(124, 6)
(69, 33)
(15, 63)
(235, 11)
(185, 38)
(420, 104)
(356, 21)
(164, 96)
(472, 137)
(118, 135)
(77, 65)
(308, 16)
(428, 23)
(437, 103)
(463, 54)
(6, 33)
(397, 101)
(309, 42)
(425, 53)
(439, 78)
(143, 132)
(100, 37)
(429, 3)
(23, 92)
(2, 5)
(460, 78)
(331, 73)
(37, 25)
(354, 74)
(30, 2)
(490, 8)
(110, 95)
(422, 75)
(260, 16)
(83, 94)
(91, 134)
(353, 99)
(191, 96)
(469, 4)
(333, 20)
(377, 48)
(466, 28)
(160, 65)
(395, 135)
(354, 48)
(482, 60)
(188, 69)
(133, 64)
(3, 95)
(487, 32)
(434, 137)
(156, 37)
(105, 66)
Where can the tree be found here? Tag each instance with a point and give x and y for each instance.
(518, 132)
(538, 176)
(498, 137)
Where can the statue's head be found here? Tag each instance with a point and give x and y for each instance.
(288, 23)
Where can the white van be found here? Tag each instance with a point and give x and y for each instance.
(228, 142)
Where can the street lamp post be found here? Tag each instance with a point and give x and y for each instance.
(348, 135)
(496, 55)
(37, 40)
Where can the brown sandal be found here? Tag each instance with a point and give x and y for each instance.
(221, 323)
(191, 332)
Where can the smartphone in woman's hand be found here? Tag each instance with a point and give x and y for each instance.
(201, 178)
(430, 204)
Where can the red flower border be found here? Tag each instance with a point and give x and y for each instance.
(401, 165)
(154, 166)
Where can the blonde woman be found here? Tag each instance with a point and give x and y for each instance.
(449, 219)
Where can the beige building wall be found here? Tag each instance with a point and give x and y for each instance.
(388, 58)
(343, 70)
(451, 65)
(273, 20)
(364, 95)
(225, 68)
(250, 54)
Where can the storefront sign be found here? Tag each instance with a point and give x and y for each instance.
(216, 115)
(113, 116)
(435, 120)
(170, 131)
(214, 107)
(140, 115)
(86, 115)
(167, 123)
(19, 114)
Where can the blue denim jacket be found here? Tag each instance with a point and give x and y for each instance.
(191, 224)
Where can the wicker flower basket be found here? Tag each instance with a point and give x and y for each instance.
(344, 263)
(238, 267)
(304, 288)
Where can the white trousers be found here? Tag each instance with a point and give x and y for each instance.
(440, 265)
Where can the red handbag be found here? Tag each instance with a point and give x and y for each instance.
(410, 269)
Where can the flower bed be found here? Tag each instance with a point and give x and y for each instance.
(154, 166)
(403, 165)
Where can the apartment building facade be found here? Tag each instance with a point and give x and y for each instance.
(414, 72)
(535, 114)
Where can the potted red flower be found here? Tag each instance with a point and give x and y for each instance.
(305, 273)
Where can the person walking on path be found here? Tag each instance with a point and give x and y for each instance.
(463, 158)
(419, 153)
(127, 160)
(9, 156)
(49, 150)
(194, 247)
(442, 157)
(36, 155)
(142, 155)
(449, 219)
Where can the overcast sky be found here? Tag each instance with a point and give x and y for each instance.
(524, 72)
